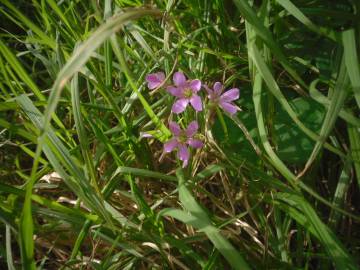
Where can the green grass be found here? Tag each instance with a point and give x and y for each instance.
(274, 187)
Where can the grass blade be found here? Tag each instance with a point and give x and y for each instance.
(250, 16)
(337, 102)
(198, 218)
(293, 10)
(352, 62)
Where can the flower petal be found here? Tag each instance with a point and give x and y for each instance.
(192, 129)
(218, 88)
(195, 101)
(179, 78)
(174, 128)
(195, 85)
(194, 143)
(180, 105)
(230, 95)
(228, 107)
(183, 154)
(175, 91)
(155, 79)
(169, 146)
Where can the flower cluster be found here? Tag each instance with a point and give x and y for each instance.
(187, 92)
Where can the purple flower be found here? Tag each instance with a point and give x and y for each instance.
(224, 100)
(181, 139)
(186, 92)
(155, 79)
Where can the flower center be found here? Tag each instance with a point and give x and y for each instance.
(188, 93)
(182, 137)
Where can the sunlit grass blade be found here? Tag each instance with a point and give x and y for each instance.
(82, 54)
(26, 23)
(61, 159)
(82, 135)
(61, 15)
(18, 68)
(24, 76)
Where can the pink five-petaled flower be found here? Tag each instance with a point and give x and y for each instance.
(154, 80)
(224, 100)
(186, 92)
(181, 139)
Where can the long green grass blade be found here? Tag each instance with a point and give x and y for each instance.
(319, 97)
(197, 217)
(275, 90)
(296, 12)
(9, 256)
(354, 137)
(341, 91)
(250, 16)
(352, 61)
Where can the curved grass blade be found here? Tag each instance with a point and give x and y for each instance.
(272, 156)
(293, 10)
(327, 238)
(352, 62)
(337, 102)
(80, 129)
(82, 54)
(319, 97)
(61, 160)
(275, 90)
(66, 165)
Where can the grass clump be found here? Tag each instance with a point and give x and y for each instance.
(179, 134)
